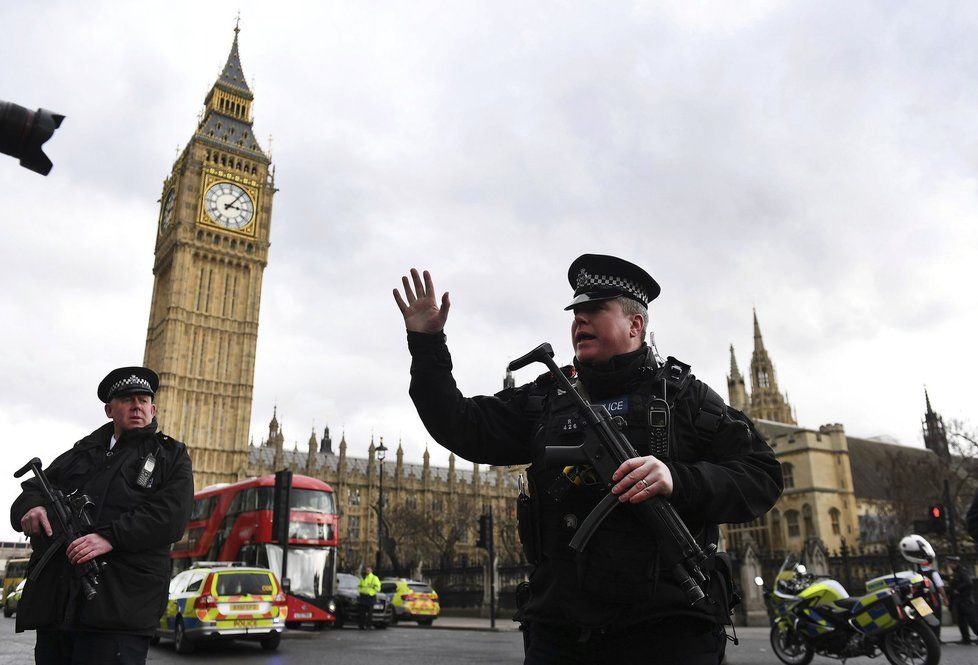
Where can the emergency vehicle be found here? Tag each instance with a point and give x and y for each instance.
(412, 600)
(215, 600)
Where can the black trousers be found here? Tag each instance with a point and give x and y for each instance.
(673, 641)
(365, 604)
(68, 647)
(966, 617)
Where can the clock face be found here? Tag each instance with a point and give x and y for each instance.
(229, 205)
(168, 205)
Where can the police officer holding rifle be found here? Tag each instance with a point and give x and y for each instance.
(101, 518)
(630, 577)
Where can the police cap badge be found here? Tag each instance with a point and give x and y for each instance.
(597, 277)
(128, 381)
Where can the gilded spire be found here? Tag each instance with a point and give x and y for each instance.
(232, 76)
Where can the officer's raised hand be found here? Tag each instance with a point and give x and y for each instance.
(421, 311)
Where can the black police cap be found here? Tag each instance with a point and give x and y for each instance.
(128, 381)
(597, 277)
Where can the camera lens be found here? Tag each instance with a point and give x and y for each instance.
(23, 132)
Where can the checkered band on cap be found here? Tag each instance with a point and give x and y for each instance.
(132, 381)
(586, 280)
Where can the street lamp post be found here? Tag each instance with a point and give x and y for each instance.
(381, 454)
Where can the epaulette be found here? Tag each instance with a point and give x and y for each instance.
(547, 379)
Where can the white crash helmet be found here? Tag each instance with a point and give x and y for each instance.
(916, 549)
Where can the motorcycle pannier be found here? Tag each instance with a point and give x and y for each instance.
(875, 612)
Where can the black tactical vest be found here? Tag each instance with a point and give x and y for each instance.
(619, 568)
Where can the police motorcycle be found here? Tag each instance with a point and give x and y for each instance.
(812, 615)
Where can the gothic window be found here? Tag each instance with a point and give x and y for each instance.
(806, 512)
(791, 518)
(353, 527)
(788, 472)
(762, 379)
(353, 496)
(834, 519)
(412, 502)
(436, 503)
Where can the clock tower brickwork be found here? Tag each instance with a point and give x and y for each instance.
(211, 252)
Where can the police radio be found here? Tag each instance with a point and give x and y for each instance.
(659, 418)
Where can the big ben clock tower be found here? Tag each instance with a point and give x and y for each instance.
(211, 251)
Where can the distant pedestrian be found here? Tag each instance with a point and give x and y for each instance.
(962, 589)
(369, 586)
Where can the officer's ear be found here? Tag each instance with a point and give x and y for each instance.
(108, 409)
(152, 409)
(636, 327)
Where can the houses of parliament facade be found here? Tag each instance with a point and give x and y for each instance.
(211, 250)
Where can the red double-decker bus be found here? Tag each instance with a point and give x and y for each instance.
(234, 523)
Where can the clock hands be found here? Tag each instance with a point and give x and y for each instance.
(236, 199)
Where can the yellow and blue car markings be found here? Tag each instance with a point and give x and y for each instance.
(421, 604)
(213, 617)
(872, 614)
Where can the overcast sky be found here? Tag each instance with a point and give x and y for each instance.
(816, 161)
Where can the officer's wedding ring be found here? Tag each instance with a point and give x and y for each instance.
(645, 483)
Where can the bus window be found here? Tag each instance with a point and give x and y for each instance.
(310, 531)
(312, 500)
(203, 508)
(266, 497)
(253, 555)
(311, 571)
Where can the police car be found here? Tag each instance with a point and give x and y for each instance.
(12, 599)
(412, 600)
(217, 600)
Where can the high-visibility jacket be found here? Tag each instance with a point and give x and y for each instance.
(369, 585)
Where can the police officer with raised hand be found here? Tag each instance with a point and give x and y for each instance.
(141, 483)
(613, 603)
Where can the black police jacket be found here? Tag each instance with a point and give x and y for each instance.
(140, 522)
(722, 473)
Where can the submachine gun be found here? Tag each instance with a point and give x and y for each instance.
(73, 515)
(606, 448)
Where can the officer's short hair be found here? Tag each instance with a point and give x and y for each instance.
(631, 306)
